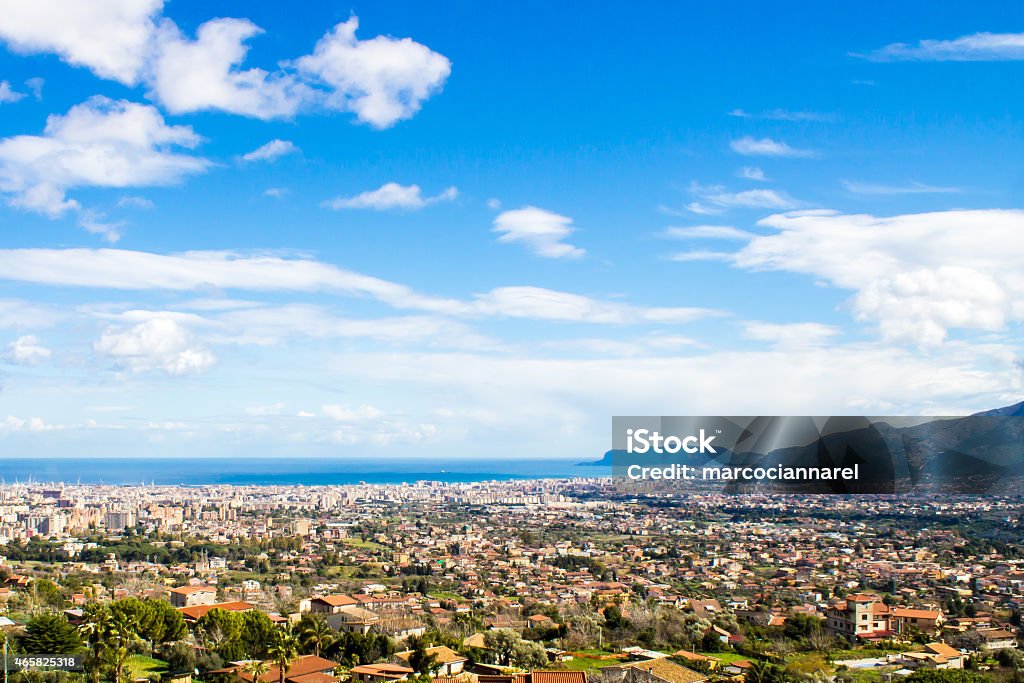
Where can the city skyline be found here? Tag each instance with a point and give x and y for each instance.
(475, 232)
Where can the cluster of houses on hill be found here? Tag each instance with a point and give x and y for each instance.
(866, 617)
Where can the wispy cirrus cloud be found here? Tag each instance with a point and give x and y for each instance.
(782, 115)
(127, 270)
(976, 47)
(715, 199)
(714, 232)
(767, 147)
(910, 188)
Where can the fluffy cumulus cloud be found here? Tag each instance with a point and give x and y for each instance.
(99, 143)
(195, 75)
(392, 196)
(26, 350)
(271, 151)
(916, 275)
(766, 147)
(976, 47)
(158, 344)
(543, 232)
(113, 38)
(381, 80)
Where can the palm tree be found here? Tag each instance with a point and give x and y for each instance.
(123, 631)
(256, 668)
(317, 635)
(96, 629)
(283, 652)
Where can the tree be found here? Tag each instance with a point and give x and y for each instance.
(95, 627)
(501, 642)
(420, 659)
(122, 633)
(316, 635)
(283, 652)
(50, 634)
(257, 668)
(529, 655)
(763, 672)
(801, 626)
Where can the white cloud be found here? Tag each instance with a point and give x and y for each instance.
(136, 270)
(18, 314)
(976, 47)
(790, 334)
(766, 147)
(752, 173)
(158, 344)
(391, 196)
(703, 209)
(26, 351)
(382, 80)
(260, 411)
(541, 231)
(916, 275)
(35, 85)
(714, 232)
(96, 223)
(701, 255)
(911, 188)
(538, 303)
(32, 424)
(7, 94)
(269, 325)
(546, 393)
(99, 143)
(782, 115)
(275, 192)
(110, 37)
(753, 199)
(347, 414)
(134, 202)
(271, 151)
(202, 74)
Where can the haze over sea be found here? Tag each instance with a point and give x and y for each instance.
(193, 471)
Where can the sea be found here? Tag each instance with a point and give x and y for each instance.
(284, 471)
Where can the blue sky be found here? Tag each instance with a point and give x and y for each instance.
(391, 230)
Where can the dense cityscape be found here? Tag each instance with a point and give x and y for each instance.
(537, 581)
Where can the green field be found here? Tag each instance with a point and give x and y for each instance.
(360, 543)
(589, 663)
(141, 666)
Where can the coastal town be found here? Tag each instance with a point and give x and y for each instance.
(536, 581)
